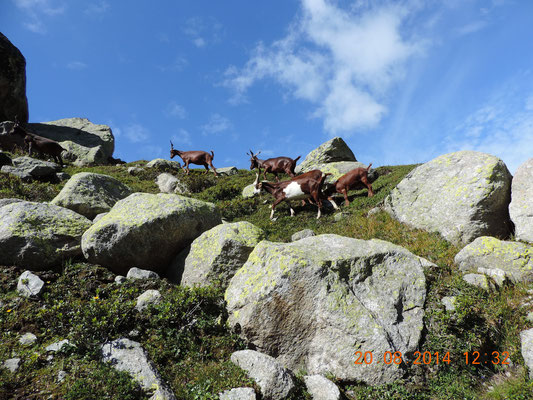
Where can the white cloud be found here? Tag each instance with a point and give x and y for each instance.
(202, 32)
(136, 133)
(472, 27)
(183, 137)
(76, 65)
(175, 110)
(98, 8)
(178, 64)
(37, 9)
(199, 42)
(216, 124)
(342, 61)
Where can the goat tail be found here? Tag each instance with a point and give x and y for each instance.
(368, 168)
(297, 158)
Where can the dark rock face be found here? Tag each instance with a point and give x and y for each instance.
(13, 101)
(8, 141)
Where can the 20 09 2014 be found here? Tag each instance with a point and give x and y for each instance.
(427, 357)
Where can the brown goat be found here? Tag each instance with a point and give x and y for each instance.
(197, 157)
(273, 165)
(42, 144)
(297, 188)
(355, 177)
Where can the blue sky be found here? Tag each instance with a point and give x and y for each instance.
(400, 81)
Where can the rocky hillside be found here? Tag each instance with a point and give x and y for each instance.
(136, 281)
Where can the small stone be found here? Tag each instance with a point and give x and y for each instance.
(27, 339)
(449, 302)
(238, 394)
(135, 170)
(29, 284)
(12, 364)
(137, 273)
(302, 234)
(321, 388)
(529, 316)
(478, 280)
(147, 298)
(61, 375)
(57, 346)
(120, 279)
(339, 216)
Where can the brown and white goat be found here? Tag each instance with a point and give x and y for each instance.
(273, 165)
(41, 144)
(352, 179)
(197, 157)
(298, 188)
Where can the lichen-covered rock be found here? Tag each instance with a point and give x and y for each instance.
(38, 235)
(5, 202)
(13, 101)
(238, 394)
(478, 280)
(274, 380)
(86, 143)
(462, 195)
(147, 231)
(498, 259)
(168, 183)
(521, 207)
(29, 284)
(316, 301)
(162, 164)
(34, 167)
(216, 254)
(526, 339)
(321, 388)
(248, 191)
(333, 150)
(90, 194)
(128, 355)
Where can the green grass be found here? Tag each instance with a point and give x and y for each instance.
(186, 335)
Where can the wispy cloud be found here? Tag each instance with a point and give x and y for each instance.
(135, 133)
(472, 27)
(76, 65)
(177, 64)
(183, 137)
(341, 61)
(98, 8)
(37, 9)
(175, 110)
(202, 32)
(217, 124)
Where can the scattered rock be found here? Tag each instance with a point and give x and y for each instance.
(135, 170)
(316, 301)
(127, 355)
(238, 394)
(162, 164)
(62, 176)
(29, 284)
(168, 183)
(33, 167)
(340, 216)
(478, 280)
(521, 207)
(302, 235)
(374, 211)
(137, 273)
(333, 150)
(274, 380)
(90, 194)
(228, 171)
(27, 339)
(12, 364)
(39, 235)
(449, 302)
(57, 346)
(148, 298)
(529, 316)
(526, 338)
(146, 230)
(86, 143)
(119, 279)
(321, 388)
(216, 254)
(61, 375)
(498, 259)
(13, 101)
(462, 195)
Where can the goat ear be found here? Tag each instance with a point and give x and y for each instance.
(258, 153)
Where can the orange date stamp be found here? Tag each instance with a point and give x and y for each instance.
(429, 358)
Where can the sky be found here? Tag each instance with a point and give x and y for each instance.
(400, 81)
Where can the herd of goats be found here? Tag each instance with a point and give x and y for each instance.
(308, 185)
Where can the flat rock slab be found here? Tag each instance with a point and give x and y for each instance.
(313, 303)
(498, 259)
(521, 207)
(462, 196)
(37, 236)
(147, 231)
(90, 194)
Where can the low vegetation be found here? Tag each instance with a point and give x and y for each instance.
(186, 335)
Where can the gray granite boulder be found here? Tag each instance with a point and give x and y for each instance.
(462, 196)
(216, 254)
(147, 231)
(238, 394)
(90, 194)
(501, 260)
(13, 101)
(521, 207)
(314, 302)
(137, 273)
(29, 284)
(147, 298)
(162, 164)
(321, 388)
(5, 202)
(31, 167)
(127, 355)
(274, 380)
(86, 143)
(37, 236)
(168, 183)
(333, 150)
(526, 339)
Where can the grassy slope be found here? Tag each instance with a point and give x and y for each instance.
(191, 345)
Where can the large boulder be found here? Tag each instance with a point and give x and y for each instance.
(216, 254)
(521, 207)
(31, 168)
(498, 259)
(313, 303)
(461, 195)
(333, 150)
(13, 101)
(90, 194)
(86, 143)
(147, 231)
(38, 235)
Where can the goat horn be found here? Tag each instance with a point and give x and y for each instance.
(171, 145)
(258, 153)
